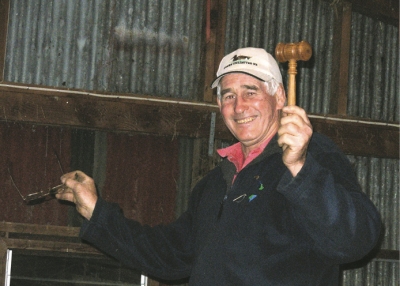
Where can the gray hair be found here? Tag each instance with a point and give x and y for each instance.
(271, 87)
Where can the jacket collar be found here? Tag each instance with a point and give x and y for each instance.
(229, 169)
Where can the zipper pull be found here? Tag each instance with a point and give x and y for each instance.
(221, 207)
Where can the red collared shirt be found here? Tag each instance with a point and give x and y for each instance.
(235, 154)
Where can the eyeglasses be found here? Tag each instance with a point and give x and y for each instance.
(41, 195)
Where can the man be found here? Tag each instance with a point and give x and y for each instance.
(282, 208)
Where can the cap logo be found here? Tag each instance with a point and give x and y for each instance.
(237, 58)
(240, 60)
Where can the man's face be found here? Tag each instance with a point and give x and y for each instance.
(250, 113)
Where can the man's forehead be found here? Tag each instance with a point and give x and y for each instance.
(241, 87)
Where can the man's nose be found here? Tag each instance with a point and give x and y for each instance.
(240, 104)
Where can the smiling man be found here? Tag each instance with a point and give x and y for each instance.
(282, 208)
(251, 98)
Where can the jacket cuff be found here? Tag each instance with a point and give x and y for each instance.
(99, 215)
(292, 187)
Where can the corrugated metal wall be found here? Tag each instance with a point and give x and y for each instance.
(144, 47)
(374, 70)
(374, 58)
(265, 23)
(379, 179)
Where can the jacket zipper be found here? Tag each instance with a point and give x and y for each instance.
(221, 207)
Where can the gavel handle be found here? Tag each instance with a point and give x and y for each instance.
(292, 82)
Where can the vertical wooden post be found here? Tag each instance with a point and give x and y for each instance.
(215, 38)
(4, 11)
(340, 59)
(3, 261)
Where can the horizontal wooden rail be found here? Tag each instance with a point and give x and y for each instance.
(43, 237)
(168, 117)
(387, 254)
(23, 228)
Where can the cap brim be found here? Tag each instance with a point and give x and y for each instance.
(216, 80)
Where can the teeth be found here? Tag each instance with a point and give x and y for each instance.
(245, 120)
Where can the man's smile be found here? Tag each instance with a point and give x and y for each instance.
(245, 120)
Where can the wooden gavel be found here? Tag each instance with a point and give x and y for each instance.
(292, 52)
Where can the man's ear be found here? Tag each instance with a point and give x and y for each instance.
(280, 96)
(219, 102)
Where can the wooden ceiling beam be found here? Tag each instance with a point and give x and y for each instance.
(386, 11)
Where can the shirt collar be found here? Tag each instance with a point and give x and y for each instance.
(235, 154)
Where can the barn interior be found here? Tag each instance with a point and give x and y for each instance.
(121, 90)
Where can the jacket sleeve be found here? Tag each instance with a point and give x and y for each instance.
(328, 203)
(161, 251)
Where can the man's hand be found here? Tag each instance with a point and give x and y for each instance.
(295, 132)
(80, 190)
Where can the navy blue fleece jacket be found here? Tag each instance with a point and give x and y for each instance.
(267, 228)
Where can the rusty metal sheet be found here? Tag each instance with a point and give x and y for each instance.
(34, 156)
(141, 176)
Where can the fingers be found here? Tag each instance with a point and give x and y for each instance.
(70, 180)
(294, 133)
(81, 190)
(295, 115)
(77, 176)
(66, 195)
(295, 129)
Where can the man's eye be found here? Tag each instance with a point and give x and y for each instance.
(228, 97)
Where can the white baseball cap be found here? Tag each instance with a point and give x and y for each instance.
(252, 61)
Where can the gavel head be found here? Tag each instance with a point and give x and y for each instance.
(293, 51)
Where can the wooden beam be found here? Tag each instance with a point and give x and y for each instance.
(360, 138)
(50, 230)
(159, 116)
(386, 11)
(387, 254)
(43, 237)
(220, 28)
(4, 10)
(117, 112)
(210, 50)
(46, 245)
(215, 39)
(340, 60)
(3, 260)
